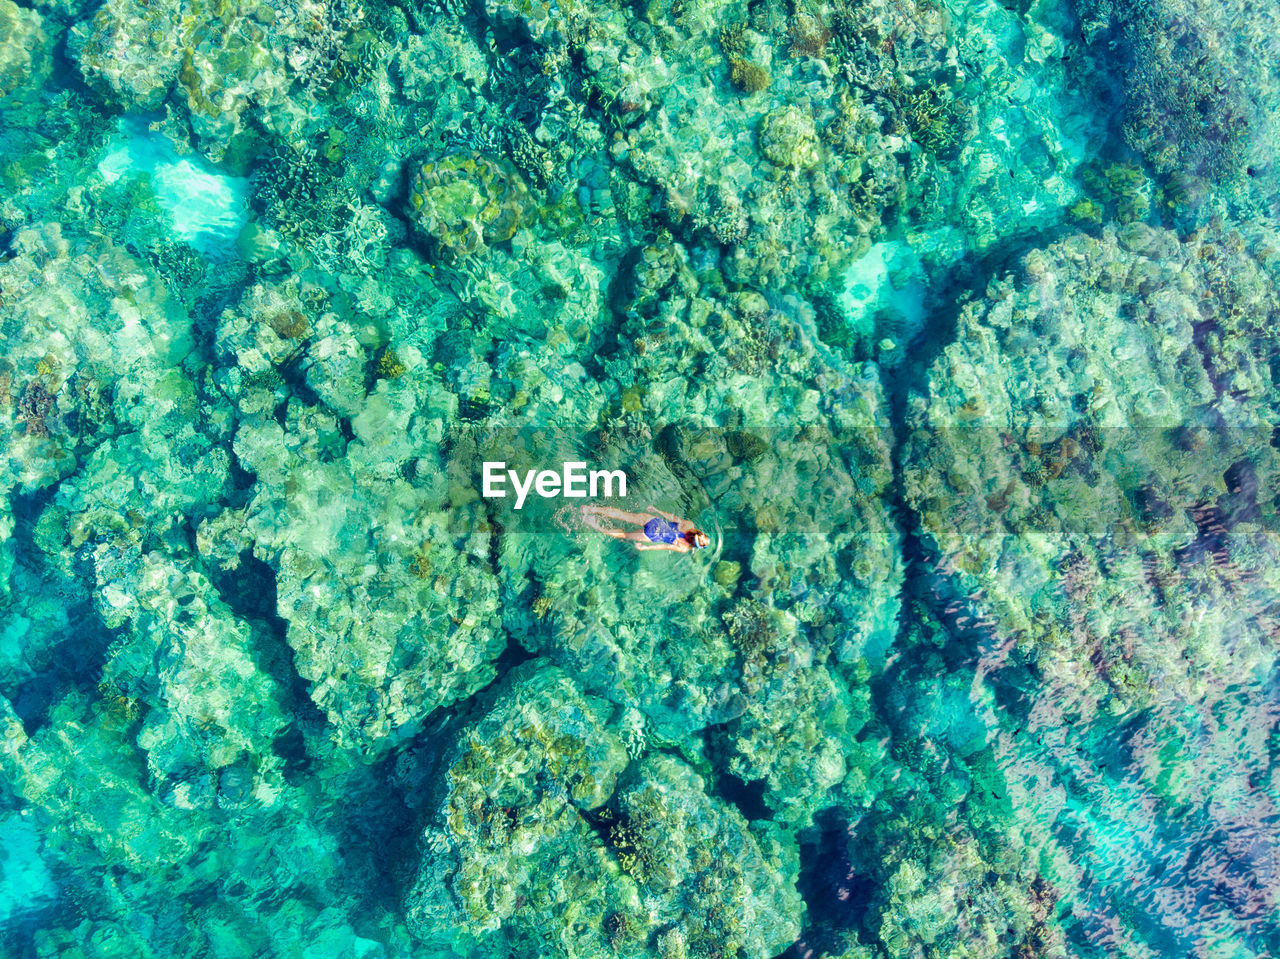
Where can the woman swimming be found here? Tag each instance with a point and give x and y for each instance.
(658, 530)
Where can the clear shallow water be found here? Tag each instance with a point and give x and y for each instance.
(952, 324)
(207, 209)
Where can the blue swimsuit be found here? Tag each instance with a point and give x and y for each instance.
(660, 531)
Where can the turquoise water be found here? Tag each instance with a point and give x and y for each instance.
(951, 324)
(207, 209)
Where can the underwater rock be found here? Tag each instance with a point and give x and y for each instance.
(387, 628)
(226, 68)
(466, 202)
(1088, 456)
(1087, 468)
(264, 60)
(69, 379)
(794, 731)
(106, 440)
(88, 748)
(131, 51)
(440, 65)
(699, 864)
(192, 826)
(390, 625)
(512, 864)
(931, 888)
(190, 662)
(1200, 87)
(526, 855)
(789, 140)
(389, 597)
(24, 48)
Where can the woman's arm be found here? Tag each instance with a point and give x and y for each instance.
(683, 525)
(669, 517)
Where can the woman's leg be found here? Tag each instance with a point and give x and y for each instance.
(596, 525)
(614, 513)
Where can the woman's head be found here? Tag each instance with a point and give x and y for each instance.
(697, 539)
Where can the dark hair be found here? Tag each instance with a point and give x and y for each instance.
(689, 538)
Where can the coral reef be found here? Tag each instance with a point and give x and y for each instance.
(950, 325)
(70, 380)
(332, 455)
(513, 864)
(466, 202)
(130, 51)
(693, 853)
(1199, 87)
(1145, 407)
(1094, 506)
(258, 64)
(24, 50)
(526, 855)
